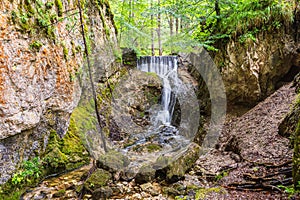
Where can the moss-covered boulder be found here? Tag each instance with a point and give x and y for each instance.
(96, 184)
(288, 126)
(291, 127)
(296, 158)
(65, 153)
(169, 168)
(113, 161)
(177, 168)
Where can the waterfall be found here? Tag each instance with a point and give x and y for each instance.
(166, 68)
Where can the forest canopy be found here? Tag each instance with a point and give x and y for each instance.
(169, 26)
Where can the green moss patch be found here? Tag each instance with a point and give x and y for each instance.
(35, 17)
(67, 153)
(113, 161)
(97, 180)
(296, 158)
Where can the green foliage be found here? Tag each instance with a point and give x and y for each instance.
(59, 5)
(49, 5)
(197, 23)
(35, 17)
(30, 169)
(15, 195)
(290, 190)
(36, 45)
(221, 175)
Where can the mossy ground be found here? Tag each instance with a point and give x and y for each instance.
(201, 193)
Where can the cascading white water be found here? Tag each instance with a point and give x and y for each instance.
(166, 68)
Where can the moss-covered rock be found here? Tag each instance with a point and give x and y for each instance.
(288, 126)
(169, 168)
(177, 168)
(96, 184)
(97, 180)
(65, 153)
(113, 161)
(292, 125)
(296, 158)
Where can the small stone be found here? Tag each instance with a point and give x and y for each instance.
(137, 196)
(145, 195)
(152, 189)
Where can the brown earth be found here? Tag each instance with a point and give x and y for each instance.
(252, 160)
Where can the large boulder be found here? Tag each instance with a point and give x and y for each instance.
(133, 98)
(288, 126)
(170, 168)
(97, 185)
(296, 157)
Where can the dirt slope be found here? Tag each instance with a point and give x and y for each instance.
(252, 159)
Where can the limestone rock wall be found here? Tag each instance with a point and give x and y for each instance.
(41, 56)
(252, 70)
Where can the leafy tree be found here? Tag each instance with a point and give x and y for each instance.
(168, 26)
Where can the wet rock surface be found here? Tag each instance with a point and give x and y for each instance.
(133, 97)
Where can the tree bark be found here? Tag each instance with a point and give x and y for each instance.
(171, 31)
(159, 29)
(218, 11)
(152, 32)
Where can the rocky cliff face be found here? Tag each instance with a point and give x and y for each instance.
(254, 69)
(41, 54)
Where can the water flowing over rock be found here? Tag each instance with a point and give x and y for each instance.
(166, 68)
(143, 136)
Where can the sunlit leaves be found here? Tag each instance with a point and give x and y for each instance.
(190, 23)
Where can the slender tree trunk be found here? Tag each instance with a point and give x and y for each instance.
(121, 28)
(171, 31)
(218, 11)
(152, 32)
(90, 76)
(177, 25)
(296, 23)
(130, 11)
(159, 29)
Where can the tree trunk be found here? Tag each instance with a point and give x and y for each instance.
(177, 25)
(159, 29)
(171, 31)
(87, 53)
(218, 11)
(152, 32)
